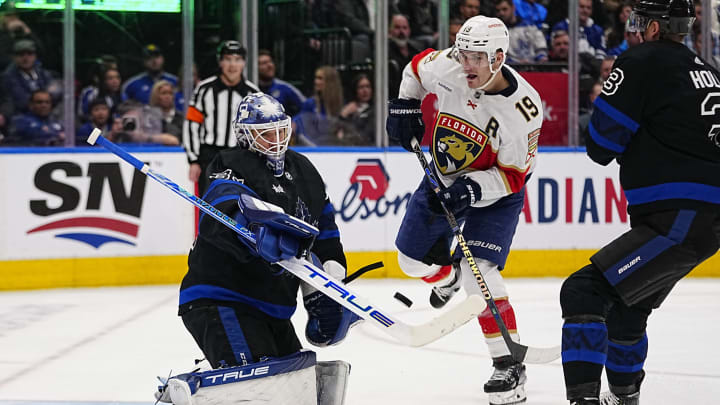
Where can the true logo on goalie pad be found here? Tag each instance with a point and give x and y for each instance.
(234, 376)
(293, 362)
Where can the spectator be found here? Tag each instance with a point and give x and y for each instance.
(99, 117)
(527, 43)
(531, 12)
(162, 97)
(26, 75)
(401, 49)
(142, 123)
(6, 110)
(592, 36)
(35, 127)
(108, 90)
(694, 40)
(12, 29)
(318, 116)
(616, 42)
(558, 11)
(589, 71)
(559, 46)
(355, 15)
(179, 96)
(470, 8)
(606, 67)
(290, 97)
(454, 27)
(139, 86)
(586, 112)
(422, 16)
(359, 114)
(94, 79)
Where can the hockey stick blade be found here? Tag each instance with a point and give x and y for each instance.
(519, 353)
(411, 335)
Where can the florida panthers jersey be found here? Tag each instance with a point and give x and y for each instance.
(491, 138)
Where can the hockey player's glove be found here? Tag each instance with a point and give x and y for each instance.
(405, 122)
(460, 195)
(328, 322)
(278, 235)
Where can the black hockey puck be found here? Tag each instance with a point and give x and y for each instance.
(405, 300)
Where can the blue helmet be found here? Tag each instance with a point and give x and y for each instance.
(261, 125)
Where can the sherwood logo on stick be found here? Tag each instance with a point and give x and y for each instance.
(46, 180)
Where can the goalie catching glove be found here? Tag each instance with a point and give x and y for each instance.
(328, 322)
(405, 122)
(278, 236)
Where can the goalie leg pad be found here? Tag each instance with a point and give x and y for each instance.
(332, 379)
(287, 380)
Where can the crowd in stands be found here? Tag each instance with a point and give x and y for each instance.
(338, 110)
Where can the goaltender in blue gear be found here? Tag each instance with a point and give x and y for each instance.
(234, 302)
(657, 117)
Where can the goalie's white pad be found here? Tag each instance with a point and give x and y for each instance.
(287, 380)
(332, 378)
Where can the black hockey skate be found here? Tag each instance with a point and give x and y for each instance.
(623, 395)
(441, 294)
(506, 385)
(608, 398)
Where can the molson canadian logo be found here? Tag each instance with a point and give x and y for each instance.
(91, 228)
(366, 195)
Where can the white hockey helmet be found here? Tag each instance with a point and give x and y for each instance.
(483, 34)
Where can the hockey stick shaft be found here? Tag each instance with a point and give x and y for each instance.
(519, 352)
(412, 335)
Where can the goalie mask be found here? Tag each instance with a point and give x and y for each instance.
(261, 125)
(485, 35)
(674, 16)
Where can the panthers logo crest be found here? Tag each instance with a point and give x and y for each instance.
(456, 143)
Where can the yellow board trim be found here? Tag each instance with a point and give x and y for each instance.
(121, 271)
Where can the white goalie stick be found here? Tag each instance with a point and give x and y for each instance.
(519, 352)
(410, 335)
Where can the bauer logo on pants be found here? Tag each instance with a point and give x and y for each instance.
(74, 219)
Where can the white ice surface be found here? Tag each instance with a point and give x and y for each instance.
(106, 345)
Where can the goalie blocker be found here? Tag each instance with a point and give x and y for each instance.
(295, 379)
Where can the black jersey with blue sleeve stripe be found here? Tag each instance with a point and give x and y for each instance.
(223, 269)
(658, 116)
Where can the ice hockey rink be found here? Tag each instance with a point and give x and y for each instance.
(106, 345)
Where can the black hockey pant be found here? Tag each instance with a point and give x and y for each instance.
(606, 304)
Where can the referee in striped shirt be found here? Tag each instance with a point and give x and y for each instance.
(208, 124)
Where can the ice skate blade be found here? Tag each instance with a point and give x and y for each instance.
(516, 396)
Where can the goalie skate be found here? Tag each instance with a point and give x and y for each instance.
(506, 385)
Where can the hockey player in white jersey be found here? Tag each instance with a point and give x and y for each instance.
(483, 149)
